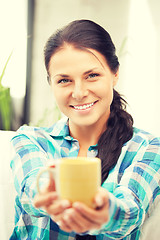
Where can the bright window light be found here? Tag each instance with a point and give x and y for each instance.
(141, 63)
(13, 26)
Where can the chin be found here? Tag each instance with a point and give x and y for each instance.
(85, 122)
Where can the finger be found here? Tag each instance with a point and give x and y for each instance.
(96, 215)
(45, 199)
(69, 220)
(101, 198)
(64, 226)
(57, 218)
(58, 207)
(77, 223)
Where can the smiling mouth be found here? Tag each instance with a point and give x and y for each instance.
(84, 106)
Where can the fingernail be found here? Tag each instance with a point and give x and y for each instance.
(65, 204)
(66, 218)
(99, 201)
(76, 205)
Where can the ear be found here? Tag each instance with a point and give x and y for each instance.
(116, 77)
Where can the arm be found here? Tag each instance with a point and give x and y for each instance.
(28, 160)
(30, 156)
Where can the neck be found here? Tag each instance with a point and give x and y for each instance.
(86, 135)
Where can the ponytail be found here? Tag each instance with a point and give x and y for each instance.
(119, 131)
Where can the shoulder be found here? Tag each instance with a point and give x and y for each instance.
(143, 146)
(141, 151)
(32, 131)
(27, 135)
(143, 138)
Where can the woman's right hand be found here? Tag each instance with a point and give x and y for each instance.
(49, 200)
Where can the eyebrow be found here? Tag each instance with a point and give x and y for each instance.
(61, 75)
(91, 70)
(85, 73)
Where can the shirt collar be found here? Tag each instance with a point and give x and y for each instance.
(60, 129)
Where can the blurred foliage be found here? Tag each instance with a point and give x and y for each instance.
(5, 102)
(50, 116)
(123, 48)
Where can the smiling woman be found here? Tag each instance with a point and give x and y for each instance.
(83, 70)
(80, 95)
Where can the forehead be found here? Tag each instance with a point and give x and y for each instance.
(69, 55)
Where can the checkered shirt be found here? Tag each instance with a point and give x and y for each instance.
(133, 184)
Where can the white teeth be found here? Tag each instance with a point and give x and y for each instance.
(84, 106)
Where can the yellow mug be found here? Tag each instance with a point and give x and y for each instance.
(76, 178)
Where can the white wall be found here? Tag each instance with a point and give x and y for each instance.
(141, 83)
(139, 78)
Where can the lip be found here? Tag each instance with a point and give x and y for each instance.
(83, 107)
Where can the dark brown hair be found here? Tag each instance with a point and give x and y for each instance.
(83, 34)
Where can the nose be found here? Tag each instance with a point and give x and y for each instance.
(79, 91)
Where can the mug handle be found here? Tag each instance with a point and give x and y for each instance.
(51, 170)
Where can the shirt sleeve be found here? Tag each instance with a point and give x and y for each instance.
(135, 193)
(29, 158)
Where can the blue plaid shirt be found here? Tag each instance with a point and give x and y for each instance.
(133, 184)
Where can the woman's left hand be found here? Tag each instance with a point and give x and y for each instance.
(80, 218)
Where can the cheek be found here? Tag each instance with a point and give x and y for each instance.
(106, 94)
(104, 90)
(108, 99)
(61, 97)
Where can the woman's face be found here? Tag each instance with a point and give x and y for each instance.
(83, 85)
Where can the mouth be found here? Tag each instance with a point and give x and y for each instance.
(84, 106)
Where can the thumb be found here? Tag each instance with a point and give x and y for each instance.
(51, 185)
(101, 198)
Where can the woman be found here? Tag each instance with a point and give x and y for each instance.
(82, 71)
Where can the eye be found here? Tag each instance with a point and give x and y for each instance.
(64, 80)
(93, 75)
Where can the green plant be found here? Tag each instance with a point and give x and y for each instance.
(5, 102)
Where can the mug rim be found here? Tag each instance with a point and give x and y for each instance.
(53, 163)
